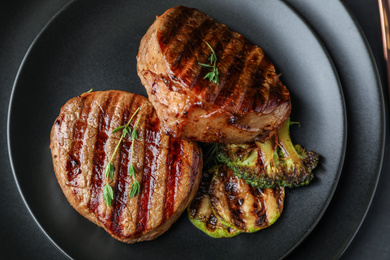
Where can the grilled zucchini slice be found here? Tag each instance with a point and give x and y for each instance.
(243, 207)
(201, 214)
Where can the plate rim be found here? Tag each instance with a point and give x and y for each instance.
(48, 237)
(339, 252)
(383, 120)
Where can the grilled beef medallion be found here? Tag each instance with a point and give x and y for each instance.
(245, 101)
(168, 169)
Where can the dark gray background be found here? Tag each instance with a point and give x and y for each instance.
(20, 237)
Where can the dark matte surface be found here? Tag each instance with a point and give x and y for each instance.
(79, 51)
(22, 238)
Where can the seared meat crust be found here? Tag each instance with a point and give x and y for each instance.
(249, 103)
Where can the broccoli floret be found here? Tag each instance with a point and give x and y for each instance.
(277, 162)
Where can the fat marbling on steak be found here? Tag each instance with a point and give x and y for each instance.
(168, 169)
(249, 103)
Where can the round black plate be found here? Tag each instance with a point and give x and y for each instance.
(92, 44)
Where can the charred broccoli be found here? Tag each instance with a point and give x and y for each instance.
(277, 162)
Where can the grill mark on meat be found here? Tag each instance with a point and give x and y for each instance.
(99, 159)
(111, 121)
(174, 27)
(124, 207)
(73, 164)
(175, 162)
(73, 169)
(120, 189)
(230, 65)
(263, 96)
(233, 201)
(256, 90)
(89, 116)
(132, 205)
(193, 44)
(232, 76)
(195, 79)
(151, 151)
(191, 41)
(220, 48)
(259, 207)
(189, 67)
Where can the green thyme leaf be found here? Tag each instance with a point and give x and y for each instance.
(108, 194)
(206, 65)
(213, 74)
(89, 91)
(134, 135)
(131, 171)
(135, 188)
(118, 128)
(126, 131)
(109, 171)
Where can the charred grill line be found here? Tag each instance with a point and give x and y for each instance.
(177, 26)
(173, 177)
(193, 39)
(264, 93)
(235, 211)
(233, 73)
(152, 140)
(73, 164)
(219, 49)
(191, 71)
(120, 196)
(145, 196)
(259, 207)
(253, 94)
(211, 223)
(279, 196)
(202, 54)
(234, 64)
(98, 161)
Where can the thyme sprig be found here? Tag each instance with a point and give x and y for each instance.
(136, 186)
(108, 193)
(213, 74)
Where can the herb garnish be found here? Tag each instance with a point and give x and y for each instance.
(135, 187)
(213, 74)
(109, 170)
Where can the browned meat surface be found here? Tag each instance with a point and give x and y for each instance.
(168, 169)
(249, 103)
